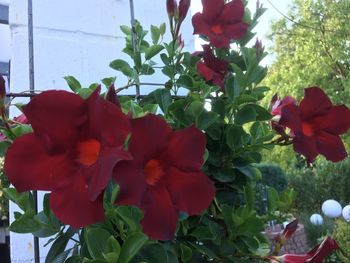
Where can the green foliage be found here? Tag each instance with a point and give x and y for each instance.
(341, 235)
(312, 50)
(325, 181)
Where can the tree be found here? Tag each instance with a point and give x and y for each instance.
(312, 48)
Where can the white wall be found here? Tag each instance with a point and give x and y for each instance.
(78, 38)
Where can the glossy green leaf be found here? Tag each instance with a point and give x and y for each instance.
(132, 246)
(152, 51)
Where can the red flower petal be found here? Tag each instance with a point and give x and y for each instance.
(160, 216)
(206, 72)
(337, 121)
(72, 205)
(99, 173)
(186, 149)
(331, 146)
(29, 167)
(233, 11)
(212, 62)
(131, 180)
(190, 192)
(57, 114)
(306, 146)
(106, 121)
(236, 31)
(290, 117)
(150, 135)
(315, 102)
(219, 41)
(200, 26)
(212, 9)
(327, 246)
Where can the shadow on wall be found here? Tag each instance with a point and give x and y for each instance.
(4, 241)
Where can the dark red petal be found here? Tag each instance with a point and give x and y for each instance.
(131, 180)
(99, 174)
(190, 192)
(29, 166)
(212, 62)
(56, 114)
(72, 205)
(315, 102)
(200, 26)
(2, 87)
(290, 117)
(107, 122)
(160, 216)
(331, 146)
(219, 41)
(337, 121)
(236, 31)
(186, 149)
(306, 146)
(150, 135)
(212, 9)
(327, 246)
(204, 71)
(111, 95)
(233, 11)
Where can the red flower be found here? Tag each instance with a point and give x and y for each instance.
(212, 68)
(316, 125)
(276, 107)
(164, 176)
(72, 152)
(220, 22)
(316, 255)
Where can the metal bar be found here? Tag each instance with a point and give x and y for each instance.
(4, 14)
(134, 46)
(31, 91)
(4, 68)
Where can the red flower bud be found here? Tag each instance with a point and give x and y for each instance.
(2, 87)
(184, 5)
(171, 6)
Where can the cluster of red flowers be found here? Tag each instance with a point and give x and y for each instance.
(220, 22)
(78, 145)
(315, 124)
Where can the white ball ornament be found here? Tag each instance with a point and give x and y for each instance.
(331, 208)
(316, 219)
(346, 213)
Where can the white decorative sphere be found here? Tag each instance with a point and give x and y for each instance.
(346, 212)
(331, 208)
(316, 219)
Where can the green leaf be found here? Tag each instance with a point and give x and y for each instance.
(21, 129)
(162, 29)
(272, 199)
(246, 114)
(73, 83)
(123, 66)
(131, 215)
(155, 34)
(97, 239)
(126, 30)
(61, 258)
(4, 145)
(26, 223)
(153, 253)
(49, 225)
(131, 246)
(58, 246)
(163, 98)
(234, 136)
(232, 88)
(186, 253)
(152, 51)
(206, 119)
(185, 81)
(23, 200)
(74, 259)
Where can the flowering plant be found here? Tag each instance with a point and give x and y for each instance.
(162, 177)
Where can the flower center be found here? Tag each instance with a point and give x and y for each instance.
(153, 172)
(88, 151)
(308, 130)
(217, 29)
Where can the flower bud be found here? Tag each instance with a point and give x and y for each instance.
(184, 5)
(171, 6)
